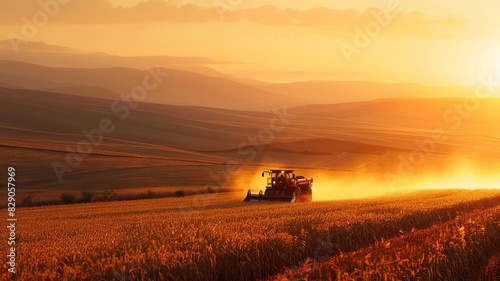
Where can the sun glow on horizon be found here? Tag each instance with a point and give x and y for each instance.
(286, 41)
(464, 175)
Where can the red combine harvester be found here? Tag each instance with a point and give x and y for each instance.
(283, 185)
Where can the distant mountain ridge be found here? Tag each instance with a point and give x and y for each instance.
(31, 46)
(58, 56)
(193, 81)
(178, 88)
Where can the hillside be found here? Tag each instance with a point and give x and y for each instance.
(156, 145)
(168, 86)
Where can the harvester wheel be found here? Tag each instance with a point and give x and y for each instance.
(296, 196)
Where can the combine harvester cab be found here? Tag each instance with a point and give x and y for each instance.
(283, 185)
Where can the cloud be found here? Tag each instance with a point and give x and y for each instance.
(103, 12)
(416, 24)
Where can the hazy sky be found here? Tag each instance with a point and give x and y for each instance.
(431, 42)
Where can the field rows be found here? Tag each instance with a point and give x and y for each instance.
(217, 237)
(454, 250)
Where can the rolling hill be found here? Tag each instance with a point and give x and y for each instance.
(157, 145)
(175, 87)
(296, 93)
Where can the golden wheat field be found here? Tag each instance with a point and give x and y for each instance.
(428, 235)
